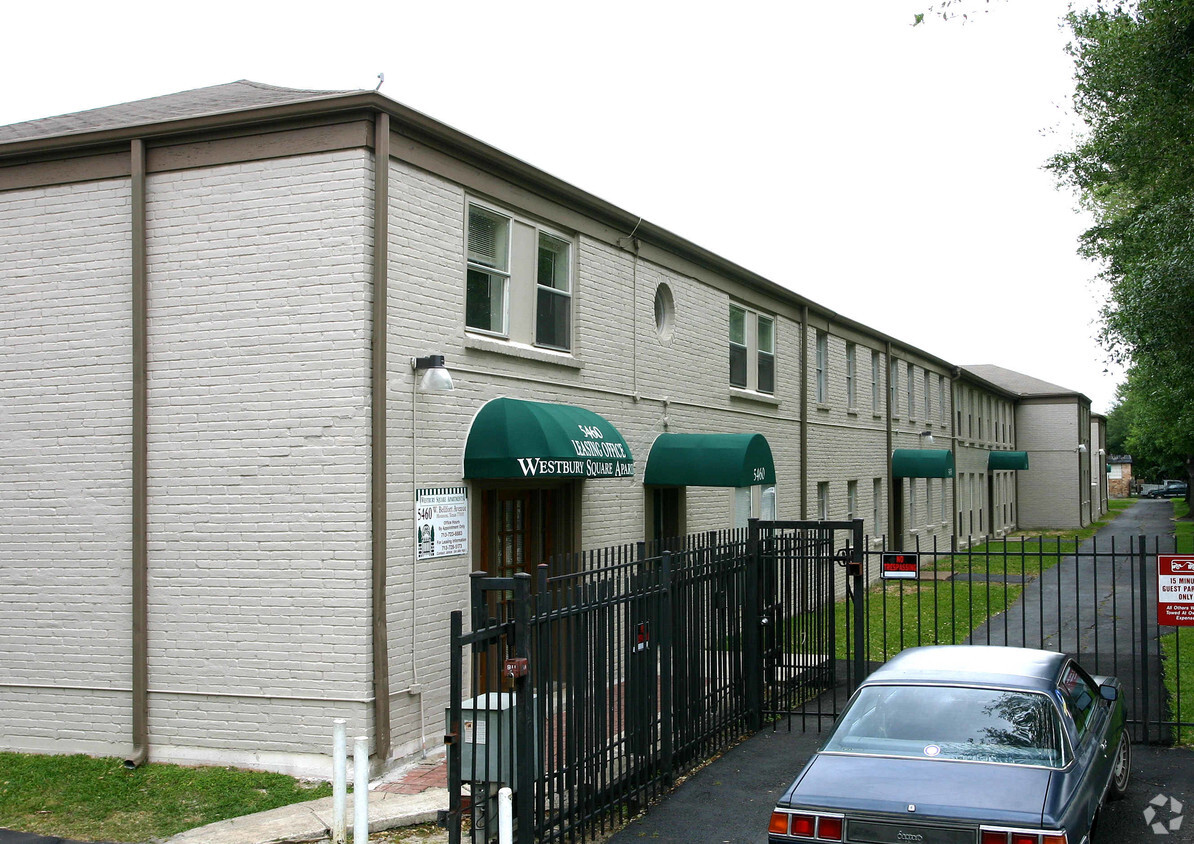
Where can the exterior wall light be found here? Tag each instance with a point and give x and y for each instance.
(1081, 449)
(926, 437)
(436, 378)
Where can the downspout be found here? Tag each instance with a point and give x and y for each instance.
(954, 375)
(140, 461)
(887, 368)
(804, 412)
(381, 232)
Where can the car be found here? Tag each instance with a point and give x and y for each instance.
(965, 743)
(1173, 489)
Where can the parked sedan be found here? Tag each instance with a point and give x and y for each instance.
(1174, 490)
(965, 744)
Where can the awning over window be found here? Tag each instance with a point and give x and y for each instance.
(710, 460)
(511, 438)
(922, 463)
(1003, 460)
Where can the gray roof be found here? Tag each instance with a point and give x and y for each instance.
(1017, 382)
(216, 99)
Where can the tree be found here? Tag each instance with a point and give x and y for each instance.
(1134, 169)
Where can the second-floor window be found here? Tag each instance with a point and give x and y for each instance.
(851, 376)
(519, 284)
(822, 367)
(752, 350)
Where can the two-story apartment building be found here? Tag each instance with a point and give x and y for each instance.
(238, 502)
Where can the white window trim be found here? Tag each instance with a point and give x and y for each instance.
(752, 350)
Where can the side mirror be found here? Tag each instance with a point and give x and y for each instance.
(1108, 692)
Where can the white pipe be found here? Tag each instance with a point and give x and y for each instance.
(339, 780)
(360, 790)
(505, 816)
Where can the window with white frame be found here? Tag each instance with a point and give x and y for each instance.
(823, 501)
(752, 350)
(822, 367)
(911, 386)
(876, 376)
(928, 501)
(894, 375)
(941, 399)
(851, 500)
(519, 280)
(928, 400)
(912, 502)
(851, 376)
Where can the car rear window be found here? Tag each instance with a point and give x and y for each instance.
(950, 722)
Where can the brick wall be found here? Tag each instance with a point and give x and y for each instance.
(65, 468)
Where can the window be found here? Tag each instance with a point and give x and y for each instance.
(1079, 695)
(928, 501)
(488, 270)
(912, 501)
(822, 367)
(823, 501)
(941, 399)
(851, 375)
(928, 403)
(911, 393)
(553, 311)
(876, 371)
(519, 280)
(766, 354)
(944, 504)
(851, 500)
(752, 350)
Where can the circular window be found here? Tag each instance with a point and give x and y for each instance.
(665, 312)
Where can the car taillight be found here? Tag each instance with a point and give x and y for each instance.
(829, 829)
(1016, 836)
(806, 825)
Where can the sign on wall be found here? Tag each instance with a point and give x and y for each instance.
(441, 522)
(1175, 590)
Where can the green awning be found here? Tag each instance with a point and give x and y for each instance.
(710, 460)
(511, 438)
(1002, 460)
(922, 463)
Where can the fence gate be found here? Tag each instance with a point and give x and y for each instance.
(799, 566)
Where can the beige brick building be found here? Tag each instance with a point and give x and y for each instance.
(229, 515)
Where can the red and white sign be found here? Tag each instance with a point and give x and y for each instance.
(1175, 589)
(901, 566)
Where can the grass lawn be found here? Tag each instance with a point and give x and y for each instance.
(1178, 647)
(97, 799)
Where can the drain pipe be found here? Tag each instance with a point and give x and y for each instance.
(140, 461)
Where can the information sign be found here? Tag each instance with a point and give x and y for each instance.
(1175, 590)
(901, 566)
(441, 522)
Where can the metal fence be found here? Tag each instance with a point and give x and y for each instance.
(600, 681)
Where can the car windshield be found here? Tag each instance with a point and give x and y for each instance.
(952, 722)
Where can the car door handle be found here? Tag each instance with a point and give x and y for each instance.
(1103, 747)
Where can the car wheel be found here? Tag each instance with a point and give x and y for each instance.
(1121, 770)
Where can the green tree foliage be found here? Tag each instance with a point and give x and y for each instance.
(1134, 169)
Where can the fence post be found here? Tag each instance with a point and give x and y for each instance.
(524, 735)
(1143, 667)
(751, 638)
(856, 569)
(665, 666)
(452, 734)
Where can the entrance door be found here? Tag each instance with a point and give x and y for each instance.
(524, 527)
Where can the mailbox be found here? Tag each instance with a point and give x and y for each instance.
(487, 729)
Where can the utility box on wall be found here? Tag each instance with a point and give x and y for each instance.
(487, 737)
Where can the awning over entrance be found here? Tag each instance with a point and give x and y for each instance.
(710, 460)
(1003, 460)
(512, 438)
(922, 463)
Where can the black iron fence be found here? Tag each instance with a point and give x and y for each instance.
(596, 684)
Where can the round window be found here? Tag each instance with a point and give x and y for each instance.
(665, 312)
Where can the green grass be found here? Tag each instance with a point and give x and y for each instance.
(87, 798)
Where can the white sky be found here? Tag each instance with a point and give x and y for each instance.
(891, 173)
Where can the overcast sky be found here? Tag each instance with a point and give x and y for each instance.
(891, 173)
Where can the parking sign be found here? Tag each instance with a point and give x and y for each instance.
(1175, 590)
